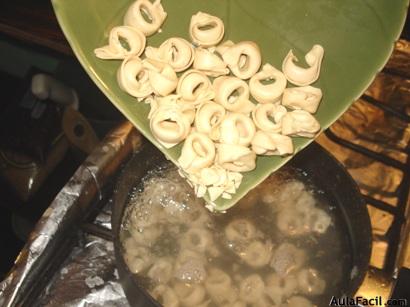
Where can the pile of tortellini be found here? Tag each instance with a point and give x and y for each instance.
(208, 106)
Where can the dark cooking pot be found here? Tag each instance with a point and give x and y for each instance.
(322, 169)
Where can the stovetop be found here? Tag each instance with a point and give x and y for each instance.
(69, 259)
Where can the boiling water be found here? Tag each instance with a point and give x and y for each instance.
(277, 247)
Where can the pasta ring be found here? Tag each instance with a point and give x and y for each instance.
(268, 93)
(270, 143)
(287, 258)
(175, 51)
(190, 294)
(208, 117)
(237, 129)
(115, 50)
(172, 101)
(268, 117)
(165, 295)
(161, 271)
(219, 286)
(257, 254)
(153, 19)
(194, 86)
(169, 125)
(206, 30)
(140, 259)
(239, 230)
(235, 158)
(190, 266)
(300, 123)
(303, 76)
(291, 223)
(310, 282)
(221, 48)
(197, 152)
(209, 63)
(133, 78)
(302, 98)
(162, 77)
(251, 288)
(225, 90)
(279, 288)
(243, 59)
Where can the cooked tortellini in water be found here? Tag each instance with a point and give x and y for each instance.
(216, 97)
(185, 255)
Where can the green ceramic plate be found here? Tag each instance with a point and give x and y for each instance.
(358, 37)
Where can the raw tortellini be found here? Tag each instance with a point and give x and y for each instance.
(117, 49)
(303, 76)
(235, 157)
(210, 63)
(175, 51)
(133, 78)
(237, 128)
(243, 59)
(268, 117)
(223, 129)
(300, 123)
(271, 143)
(302, 98)
(195, 87)
(208, 118)
(153, 11)
(206, 30)
(197, 153)
(162, 77)
(267, 93)
(233, 94)
(169, 125)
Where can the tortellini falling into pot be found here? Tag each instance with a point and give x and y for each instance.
(215, 96)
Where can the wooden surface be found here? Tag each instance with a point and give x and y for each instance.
(32, 21)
